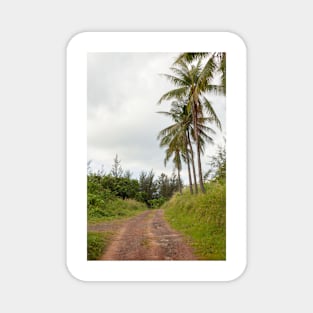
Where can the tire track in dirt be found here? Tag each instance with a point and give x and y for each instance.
(147, 237)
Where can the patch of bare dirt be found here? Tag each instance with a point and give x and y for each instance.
(145, 237)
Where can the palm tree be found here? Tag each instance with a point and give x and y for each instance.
(214, 66)
(192, 82)
(181, 131)
(174, 149)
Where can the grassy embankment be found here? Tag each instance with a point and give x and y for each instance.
(202, 218)
(97, 242)
(108, 208)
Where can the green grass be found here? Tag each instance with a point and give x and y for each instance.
(96, 244)
(202, 218)
(107, 210)
(100, 210)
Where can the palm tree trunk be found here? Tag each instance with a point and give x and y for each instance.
(188, 165)
(189, 176)
(193, 164)
(200, 169)
(195, 118)
(179, 182)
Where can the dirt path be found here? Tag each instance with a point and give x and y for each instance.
(146, 237)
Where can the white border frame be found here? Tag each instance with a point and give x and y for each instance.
(236, 228)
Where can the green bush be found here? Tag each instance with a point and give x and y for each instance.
(156, 203)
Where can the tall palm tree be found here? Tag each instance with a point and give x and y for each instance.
(192, 83)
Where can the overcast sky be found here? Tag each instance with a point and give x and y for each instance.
(123, 91)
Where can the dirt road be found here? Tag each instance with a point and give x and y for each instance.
(145, 237)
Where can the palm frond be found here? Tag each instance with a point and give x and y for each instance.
(174, 94)
(170, 130)
(206, 129)
(182, 74)
(177, 81)
(207, 74)
(215, 89)
(190, 56)
(211, 112)
(165, 113)
(184, 66)
(205, 136)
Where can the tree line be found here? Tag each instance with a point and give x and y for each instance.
(193, 75)
(149, 189)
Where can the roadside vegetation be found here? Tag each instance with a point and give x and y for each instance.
(104, 202)
(97, 242)
(202, 217)
(118, 195)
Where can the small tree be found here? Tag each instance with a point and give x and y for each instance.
(217, 164)
(128, 174)
(117, 170)
(164, 188)
(147, 186)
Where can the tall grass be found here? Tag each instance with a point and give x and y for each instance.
(202, 218)
(96, 244)
(106, 210)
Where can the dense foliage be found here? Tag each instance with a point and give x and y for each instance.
(107, 193)
(118, 195)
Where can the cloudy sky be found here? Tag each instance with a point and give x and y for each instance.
(123, 91)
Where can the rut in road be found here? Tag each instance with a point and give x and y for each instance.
(148, 237)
